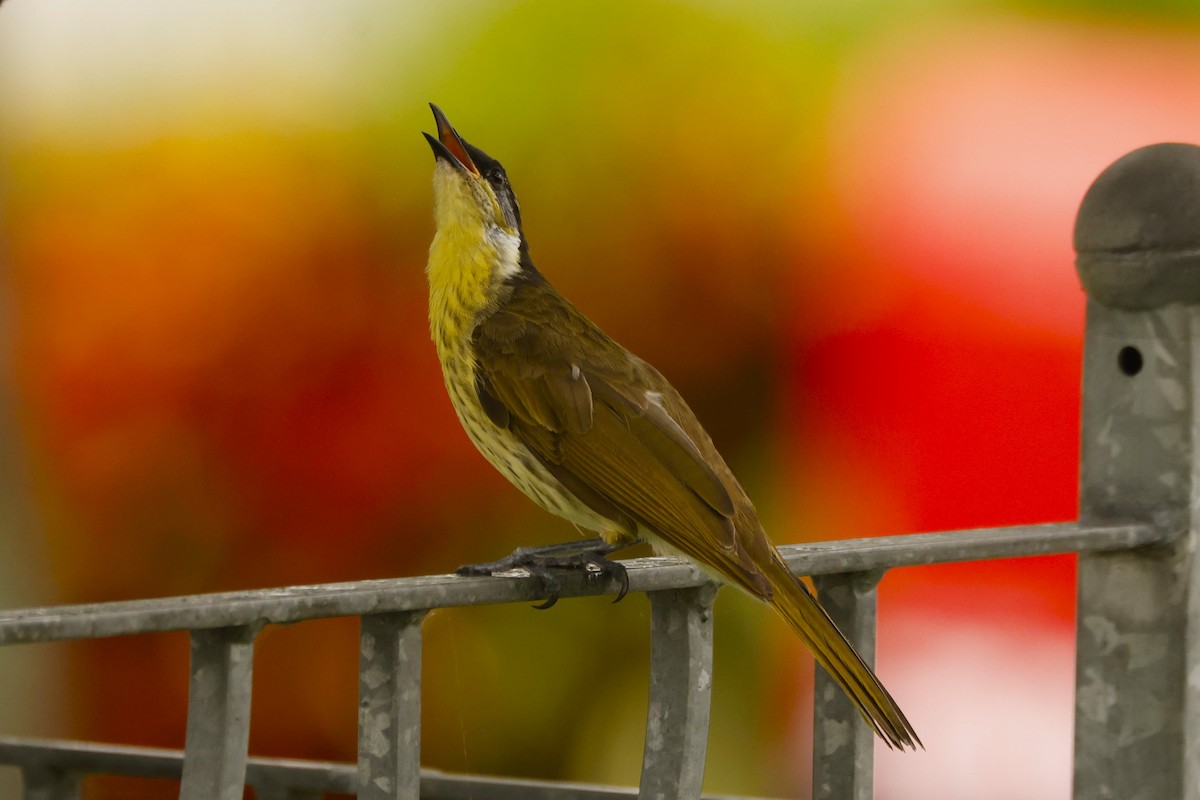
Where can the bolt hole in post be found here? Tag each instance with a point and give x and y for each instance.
(1130, 360)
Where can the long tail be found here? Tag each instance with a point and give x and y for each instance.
(796, 604)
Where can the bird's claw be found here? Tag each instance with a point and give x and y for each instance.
(598, 566)
(535, 561)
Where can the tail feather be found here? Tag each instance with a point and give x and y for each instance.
(796, 604)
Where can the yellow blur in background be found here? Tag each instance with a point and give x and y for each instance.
(841, 229)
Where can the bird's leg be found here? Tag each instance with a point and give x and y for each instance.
(589, 555)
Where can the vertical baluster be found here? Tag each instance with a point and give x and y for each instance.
(389, 706)
(843, 744)
(41, 783)
(218, 726)
(285, 793)
(680, 693)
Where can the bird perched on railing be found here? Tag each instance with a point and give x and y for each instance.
(590, 431)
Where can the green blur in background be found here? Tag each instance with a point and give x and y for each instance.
(840, 229)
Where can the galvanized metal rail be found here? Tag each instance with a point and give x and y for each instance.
(253, 609)
(223, 628)
(1137, 732)
(52, 763)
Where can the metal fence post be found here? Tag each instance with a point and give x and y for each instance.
(843, 745)
(218, 725)
(681, 639)
(389, 706)
(50, 784)
(1137, 733)
(284, 793)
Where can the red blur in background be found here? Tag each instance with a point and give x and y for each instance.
(846, 239)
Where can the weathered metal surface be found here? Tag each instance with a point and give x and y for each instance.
(1133, 605)
(920, 549)
(225, 687)
(298, 603)
(843, 744)
(1138, 242)
(389, 707)
(680, 693)
(291, 775)
(41, 783)
(271, 792)
(218, 726)
(58, 755)
(1137, 235)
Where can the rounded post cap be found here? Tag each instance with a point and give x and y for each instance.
(1137, 234)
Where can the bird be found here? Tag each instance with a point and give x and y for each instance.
(589, 431)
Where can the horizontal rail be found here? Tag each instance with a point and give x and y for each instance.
(978, 544)
(298, 603)
(85, 758)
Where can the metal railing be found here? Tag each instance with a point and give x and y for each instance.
(1137, 718)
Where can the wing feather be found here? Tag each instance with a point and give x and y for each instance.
(602, 429)
(616, 435)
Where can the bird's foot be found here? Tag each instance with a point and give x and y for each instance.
(590, 555)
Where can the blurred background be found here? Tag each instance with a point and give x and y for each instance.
(842, 229)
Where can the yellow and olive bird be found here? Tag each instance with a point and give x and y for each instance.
(587, 429)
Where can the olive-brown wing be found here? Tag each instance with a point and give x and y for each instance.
(616, 449)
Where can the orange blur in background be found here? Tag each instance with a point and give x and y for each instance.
(842, 232)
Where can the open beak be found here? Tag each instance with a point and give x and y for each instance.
(449, 145)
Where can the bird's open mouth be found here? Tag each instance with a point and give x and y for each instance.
(448, 144)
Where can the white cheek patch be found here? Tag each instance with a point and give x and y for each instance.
(509, 249)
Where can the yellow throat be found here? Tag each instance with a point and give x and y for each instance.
(474, 249)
